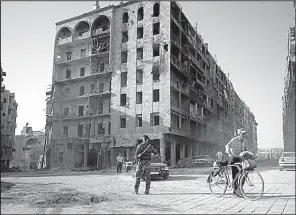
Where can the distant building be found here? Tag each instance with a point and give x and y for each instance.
(29, 149)
(289, 98)
(8, 123)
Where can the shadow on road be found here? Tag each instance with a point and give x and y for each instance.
(176, 178)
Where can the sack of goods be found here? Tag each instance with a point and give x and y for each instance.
(248, 160)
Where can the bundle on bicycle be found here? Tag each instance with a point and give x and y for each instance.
(250, 182)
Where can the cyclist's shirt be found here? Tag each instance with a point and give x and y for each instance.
(236, 146)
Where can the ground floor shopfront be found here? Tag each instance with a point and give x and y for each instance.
(73, 153)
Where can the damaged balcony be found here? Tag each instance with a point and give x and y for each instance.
(82, 33)
(175, 12)
(196, 113)
(64, 37)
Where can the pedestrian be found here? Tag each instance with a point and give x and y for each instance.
(143, 160)
(236, 145)
(219, 156)
(119, 163)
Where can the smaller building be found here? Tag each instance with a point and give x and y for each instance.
(29, 149)
(8, 124)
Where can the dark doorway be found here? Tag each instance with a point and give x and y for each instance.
(178, 147)
(167, 153)
(92, 158)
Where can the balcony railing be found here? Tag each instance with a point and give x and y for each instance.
(83, 36)
(64, 40)
(100, 31)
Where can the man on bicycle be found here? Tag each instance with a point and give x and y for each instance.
(236, 145)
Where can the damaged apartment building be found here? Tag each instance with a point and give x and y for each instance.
(8, 124)
(132, 69)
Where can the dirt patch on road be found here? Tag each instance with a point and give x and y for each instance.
(46, 196)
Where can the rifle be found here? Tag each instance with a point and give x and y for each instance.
(140, 155)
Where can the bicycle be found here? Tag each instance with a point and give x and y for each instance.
(225, 182)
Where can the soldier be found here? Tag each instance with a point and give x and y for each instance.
(143, 159)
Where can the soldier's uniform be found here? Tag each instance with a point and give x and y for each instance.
(143, 165)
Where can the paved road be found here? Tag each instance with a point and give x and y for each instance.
(186, 191)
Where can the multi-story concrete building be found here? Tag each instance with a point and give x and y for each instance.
(132, 69)
(29, 149)
(289, 98)
(8, 123)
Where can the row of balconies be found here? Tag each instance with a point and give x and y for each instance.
(81, 36)
(96, 72)
(94, 93)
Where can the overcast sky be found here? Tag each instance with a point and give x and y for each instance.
(248, 38)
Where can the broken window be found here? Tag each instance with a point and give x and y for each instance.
(101, 130)
(124, 57)
(66, 111)
(109, 128)
(124, 36)
(125, 18)
(155, 50)
(140, 32)
(156, 9)
(68, 73)
(92, 88)
(123, 79)
(139, 120)
(80, 131)
(139, 98)
(156, 28)
(139, 76)
(122, 99)
(139, 53)
(81, 91)
(156, 95)
(80, 110)
(101, 87)
(69, 55)
(101, 108)
(154, 119)
(65, 131)
(82, 71)
(140, 13)
(82, 52)
(122, 122)
(155, 72)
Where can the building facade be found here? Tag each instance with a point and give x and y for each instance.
(132, 69)
(29, 149)
(289, 98)
(8, 123)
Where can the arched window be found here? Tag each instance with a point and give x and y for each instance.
(140, 13)
(125, 17)
(156, 9)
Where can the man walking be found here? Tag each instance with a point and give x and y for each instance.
(236, 145)
(119, 163)
(143, 159)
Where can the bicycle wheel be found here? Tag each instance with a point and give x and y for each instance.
(218, 183)
(251, 185)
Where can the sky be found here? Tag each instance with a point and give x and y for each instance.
(249, 40)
